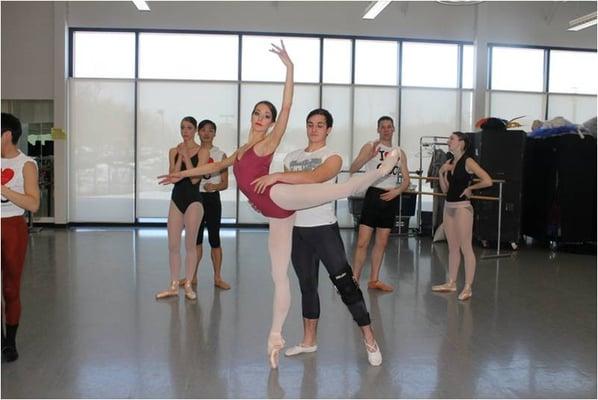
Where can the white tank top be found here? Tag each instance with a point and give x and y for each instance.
(215, 155)
(12, 177)
(390, 180)
(300, 160)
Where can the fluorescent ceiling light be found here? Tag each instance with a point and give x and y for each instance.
(459, 2)
(374, 9)
(141, 5)
(582, 22)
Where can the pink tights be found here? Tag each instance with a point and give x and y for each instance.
(178, 221)
(458, 226)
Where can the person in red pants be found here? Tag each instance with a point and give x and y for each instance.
(20, 193)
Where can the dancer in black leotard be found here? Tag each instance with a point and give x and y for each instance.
(185, 192)
(186, 210)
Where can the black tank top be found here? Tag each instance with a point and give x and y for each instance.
(458, 181)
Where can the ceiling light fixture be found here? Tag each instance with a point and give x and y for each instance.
(141, 5)
(459, 2)
(580, 23)
(374, 9)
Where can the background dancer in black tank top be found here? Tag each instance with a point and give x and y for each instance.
(456, 181)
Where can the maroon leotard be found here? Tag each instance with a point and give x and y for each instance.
(249, 168)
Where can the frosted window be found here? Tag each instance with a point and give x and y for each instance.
(337, 61)
(430, 64)
(188, 56)
(467, 68)
(511, 105)
(573, 72)
(337, 100)
(101, 151)
(104, 55)
(467, 123)
(259, 64)
(369, 105)
(517, 69)
(161, 107)
(376, 62)
(576, 109)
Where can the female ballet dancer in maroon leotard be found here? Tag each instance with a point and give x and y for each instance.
(279, 201)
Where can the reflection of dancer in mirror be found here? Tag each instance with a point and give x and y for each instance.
(186, 210)
(20, 193)
(455, 181)
(278, 202)
(210, 187)
(316, 237)
(380, 205)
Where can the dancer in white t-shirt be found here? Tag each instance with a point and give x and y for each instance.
(316, 237)
(20, 193)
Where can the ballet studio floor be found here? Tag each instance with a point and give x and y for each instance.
(91, 328)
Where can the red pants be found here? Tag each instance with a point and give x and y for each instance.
(13, 249)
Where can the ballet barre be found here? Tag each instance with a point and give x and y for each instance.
(488, 198)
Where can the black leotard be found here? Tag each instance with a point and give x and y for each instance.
(458, 181)
(185, 192)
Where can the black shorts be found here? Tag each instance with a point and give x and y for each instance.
(377, 213)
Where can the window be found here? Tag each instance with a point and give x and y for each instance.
(468, 67)
(430, 64)
(337, 61)
(261, 65)
(517, 69)
(188, 56)
(104, 55)
(376, 62)
(573, 72)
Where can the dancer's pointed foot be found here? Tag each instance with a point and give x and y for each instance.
(389, 162)
(173, 290)
(275, 345)
(221, 283)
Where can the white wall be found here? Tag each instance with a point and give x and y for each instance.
(27, 50)
(28, 27)
(34, 34)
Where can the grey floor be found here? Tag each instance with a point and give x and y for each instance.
(91, 327)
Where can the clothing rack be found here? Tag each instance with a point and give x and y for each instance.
(426, 141)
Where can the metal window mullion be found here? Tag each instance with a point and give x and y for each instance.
(239, 83)
(135, 126)
(399, 89)
(546, 81)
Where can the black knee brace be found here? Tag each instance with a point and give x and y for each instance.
(346, 286)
